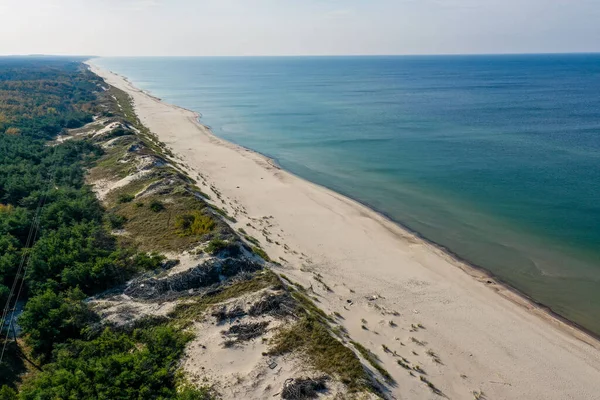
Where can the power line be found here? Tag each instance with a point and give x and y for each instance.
(33, 234)
(28, 244)
(12, 315)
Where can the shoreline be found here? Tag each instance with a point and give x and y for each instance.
(399, 233)
(517, 296)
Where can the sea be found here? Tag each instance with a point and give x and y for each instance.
(495, 158)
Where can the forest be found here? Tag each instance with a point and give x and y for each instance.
(56, 250)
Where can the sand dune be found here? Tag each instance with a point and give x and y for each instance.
(395, 292)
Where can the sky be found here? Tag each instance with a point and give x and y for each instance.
(297, 27)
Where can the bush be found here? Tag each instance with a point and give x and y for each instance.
(215, 246)
(51, 318)
(191, 393)
(194, 223)
(126, 198)
(156, 206)
(116, 221)
(261, 253)
(117, 133)
(4, 291)
(148, 262)
(114, 366)
(7, 393)
(81, 255)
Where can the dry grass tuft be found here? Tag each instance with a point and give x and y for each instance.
(323, 351)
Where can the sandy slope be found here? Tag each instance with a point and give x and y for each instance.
(383, 280)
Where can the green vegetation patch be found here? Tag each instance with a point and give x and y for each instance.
(261, 253)
(124, 106)
(222, 213)
(126, 198)
(324, 352)
(193, 311)
(74, 255)
(112, 166)
(140, 365)
(51, 318)
(156, 205)
(41, 97)
(162, 230)
(215, 246)
(374, 361)
(194, 223)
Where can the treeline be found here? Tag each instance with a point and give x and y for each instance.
(41, 96)
(72, 255)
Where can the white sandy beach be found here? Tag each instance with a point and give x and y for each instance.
(413, 296)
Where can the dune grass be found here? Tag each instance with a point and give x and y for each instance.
(159, 231)
(323, 351)
(194, 310)
(374, 361)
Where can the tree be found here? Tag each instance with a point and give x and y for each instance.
(13, 131)
(7, 393)
(51, 318)
(115, 366)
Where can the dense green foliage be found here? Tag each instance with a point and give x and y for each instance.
(73, 249)
(72, 254)
(53, 318)
(194, 223)
(114, 366)
(41, 96)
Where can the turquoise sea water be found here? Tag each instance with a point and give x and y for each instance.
(496, 158)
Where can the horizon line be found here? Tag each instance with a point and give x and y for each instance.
(304, 55)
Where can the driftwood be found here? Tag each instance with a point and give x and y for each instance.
(303, 388)
(277, 305)
(244, 332)
(222, 314)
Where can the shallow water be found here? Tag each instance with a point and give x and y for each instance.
(496, 158)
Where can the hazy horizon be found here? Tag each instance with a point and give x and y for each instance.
(308, 28)
(90, 57)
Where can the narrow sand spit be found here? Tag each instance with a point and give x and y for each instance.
(399, 296)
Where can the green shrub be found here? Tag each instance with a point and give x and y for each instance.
(148, 262)
(261, 253)
(114, 366)
(116, 221)
(194, 223)
(51, 318)
(252, 240)
(7, 393)
(215, 246)
(191, 393)
(117, 133)
(125, 198)
(156, 206)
